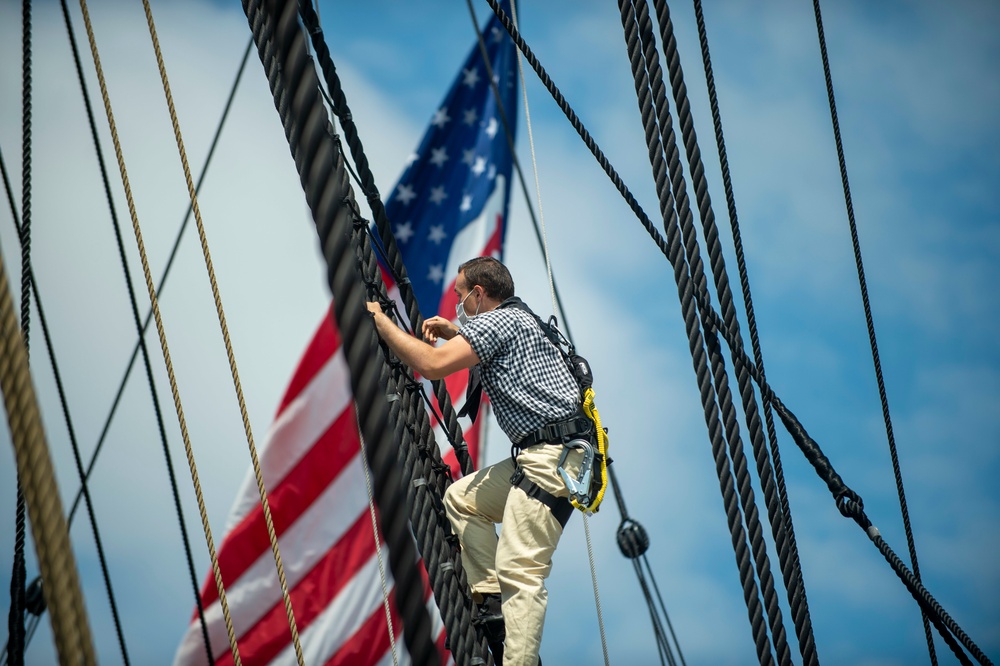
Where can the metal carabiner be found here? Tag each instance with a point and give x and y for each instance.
(579, 488)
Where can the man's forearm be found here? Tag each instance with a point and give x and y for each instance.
(411, 351)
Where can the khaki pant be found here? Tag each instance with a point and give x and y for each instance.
(517, 564)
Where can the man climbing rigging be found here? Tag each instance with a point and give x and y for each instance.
(533, 395)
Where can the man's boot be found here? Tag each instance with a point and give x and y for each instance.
(489, 619)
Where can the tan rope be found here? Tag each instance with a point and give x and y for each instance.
(61, 582)
(225, 335)
(378, 542)
(162, 335)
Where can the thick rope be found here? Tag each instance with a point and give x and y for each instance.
(779, 518)
(661, 142)
(320, 165)
(15, 618)
(378, 543)
(62, 591)
(98, 542)
(869, 322)
(140, 328)
(789, 559)
(393, 257)
(265, 505)
(162, 335)
(419, 457)
(427, 479)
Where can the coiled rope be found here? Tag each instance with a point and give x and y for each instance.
(787, 548)
(161, 333)
(869, 322)
(393, 421)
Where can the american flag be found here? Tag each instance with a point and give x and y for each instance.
(449, 205)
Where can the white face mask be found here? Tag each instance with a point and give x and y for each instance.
(463, 316)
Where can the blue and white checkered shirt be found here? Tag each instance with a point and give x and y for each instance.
(523, 373)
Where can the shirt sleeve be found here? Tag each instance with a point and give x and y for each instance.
(487, 334)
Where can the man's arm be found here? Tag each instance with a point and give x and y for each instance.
(430, 362)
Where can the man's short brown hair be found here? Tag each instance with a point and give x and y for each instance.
(489, 274)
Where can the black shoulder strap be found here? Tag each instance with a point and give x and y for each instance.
(547, 328)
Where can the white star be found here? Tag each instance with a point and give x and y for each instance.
(480, 166)
(404, 231)
(466, 202)
(492, 172)
(470, 117)
(440, 118)
(439, 156)
(412, 158)
(405, 194)
(438, 195)
(437, 234)
(436, 273)
(491, 128)
(496, 34)
(471, 77)
(468, 156)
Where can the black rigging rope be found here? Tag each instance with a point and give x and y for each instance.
(663, 158)
(850, 505)
(869, 323)
(15, 618)
(789, 559)
(779, 517)
(368, 187)
(813, 454)
(385, 394)
(419, 457)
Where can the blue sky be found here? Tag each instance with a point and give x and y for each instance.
(918, 99)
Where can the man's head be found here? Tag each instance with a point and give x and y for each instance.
(482, 284)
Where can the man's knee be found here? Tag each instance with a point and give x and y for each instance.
(454, 504)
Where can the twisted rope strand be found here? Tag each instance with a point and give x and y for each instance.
(368, 186)
(869, 322)
(660, 140)
(62, 592)
(787, 547)
(15, 617)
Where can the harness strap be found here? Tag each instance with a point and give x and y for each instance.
(557, 432)
(561, 507)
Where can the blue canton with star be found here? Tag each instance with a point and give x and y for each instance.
(454, 170)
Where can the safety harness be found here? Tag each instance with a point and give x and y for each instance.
(582, 431)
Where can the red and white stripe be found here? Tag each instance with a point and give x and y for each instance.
(312, 467)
